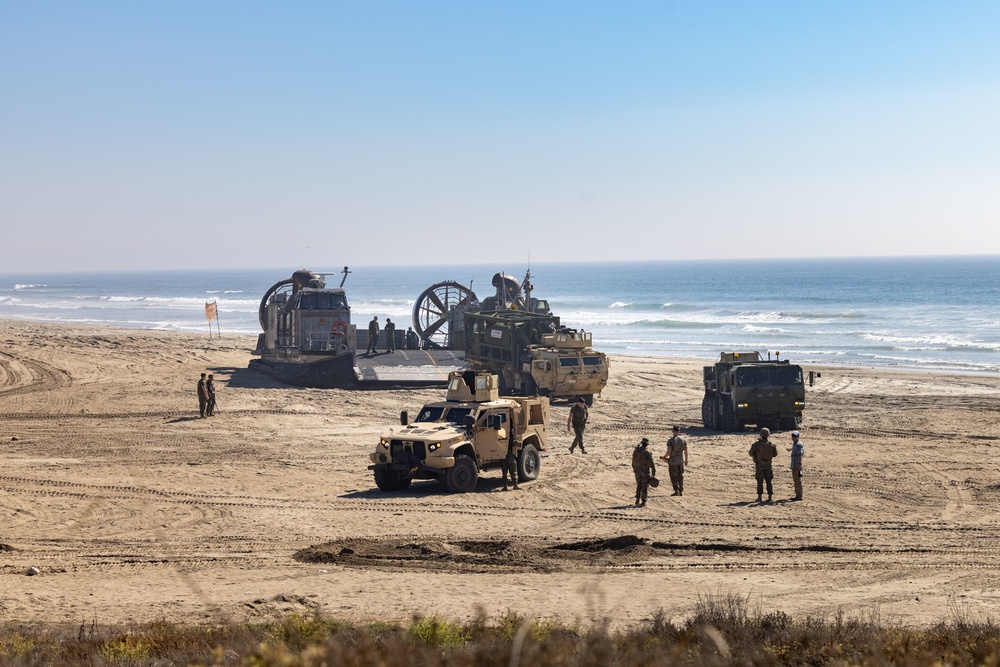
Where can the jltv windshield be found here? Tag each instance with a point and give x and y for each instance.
(432, 413)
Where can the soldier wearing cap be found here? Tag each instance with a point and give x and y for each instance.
(762, 451)
(577, 422)
(798, 450)
(644, 469)
(676, 458)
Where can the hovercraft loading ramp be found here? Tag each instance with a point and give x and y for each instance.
(407, 368)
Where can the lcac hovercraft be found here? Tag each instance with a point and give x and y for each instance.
(308, 340)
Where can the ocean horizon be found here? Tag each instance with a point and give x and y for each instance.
(922, 313)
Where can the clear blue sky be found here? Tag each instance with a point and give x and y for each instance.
(171, 134)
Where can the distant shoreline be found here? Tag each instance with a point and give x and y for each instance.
(252, 339)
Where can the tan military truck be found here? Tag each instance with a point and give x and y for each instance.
(457, 439)
(533, 355)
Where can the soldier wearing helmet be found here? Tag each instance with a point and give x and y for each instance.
(762, 451)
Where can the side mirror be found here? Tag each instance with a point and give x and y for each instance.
(469, 422)
(404, 418)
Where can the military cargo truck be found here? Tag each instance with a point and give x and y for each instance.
(457, 439)
(743, 388)
(532, 355)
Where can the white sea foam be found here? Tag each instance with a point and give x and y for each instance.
(752, 328)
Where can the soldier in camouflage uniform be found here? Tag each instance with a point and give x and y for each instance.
(579, 415)
(372, 335)
(509, 465)
(644, 468)
(676, 458)
(202, 395)
(762, 452)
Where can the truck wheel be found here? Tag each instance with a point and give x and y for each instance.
(529, 386)
(588, 399)
(728, 417)
(707, 413)
(461, 477)
(788, 424)
(528, 463)
(386, 480)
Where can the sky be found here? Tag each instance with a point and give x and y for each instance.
(176, 134)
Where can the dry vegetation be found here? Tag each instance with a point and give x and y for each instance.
(725, 629)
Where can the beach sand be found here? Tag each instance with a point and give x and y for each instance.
(134, 509)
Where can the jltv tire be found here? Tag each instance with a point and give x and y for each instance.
(528, 463)
(386, 480)
(461, 477)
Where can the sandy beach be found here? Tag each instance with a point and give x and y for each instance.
(133, 508)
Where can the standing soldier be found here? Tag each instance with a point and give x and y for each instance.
(390, 336)
(210, 387)
(579, 415)
(762, 451)
(372, 334)
(676, 458)
(644, 468)
(202, 395)
(509, 465)
(798, 450)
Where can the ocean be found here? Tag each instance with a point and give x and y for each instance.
(937, 314)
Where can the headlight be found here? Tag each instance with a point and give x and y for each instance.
(800, 402)
(434, 447)
(743, 405)
(384, 443)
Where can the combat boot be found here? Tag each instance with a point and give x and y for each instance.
(769, 497)
(759, 500)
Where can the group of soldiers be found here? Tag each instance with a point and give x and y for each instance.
(410, 340)
(206, 395)
(762, 451)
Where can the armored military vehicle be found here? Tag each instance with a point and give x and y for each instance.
(533, 355)
(743, 388)
(513, 335)
(456, 439)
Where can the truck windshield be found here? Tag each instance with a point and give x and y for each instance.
(433, 413)
(786, 375)
(775, 376)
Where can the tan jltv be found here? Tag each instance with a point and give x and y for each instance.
(455, 440)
